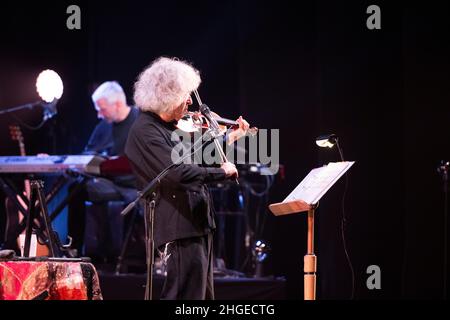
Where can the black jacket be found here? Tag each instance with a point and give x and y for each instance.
(184, 207)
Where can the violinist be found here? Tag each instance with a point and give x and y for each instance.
(184, 217)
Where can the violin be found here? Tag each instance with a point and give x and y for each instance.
(197, 122)
(194, 121)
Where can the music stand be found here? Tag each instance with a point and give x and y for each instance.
(305, 197)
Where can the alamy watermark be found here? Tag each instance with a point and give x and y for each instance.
(73, 22)
(374, 280)
(374, 20)
(263, 149)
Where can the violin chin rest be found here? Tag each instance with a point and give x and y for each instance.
(187, 125)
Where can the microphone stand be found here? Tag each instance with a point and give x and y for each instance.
(150, 211)
(49, 108)
(49, 111)
(24, 106)
(443, 170)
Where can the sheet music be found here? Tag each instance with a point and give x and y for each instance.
(318, 182)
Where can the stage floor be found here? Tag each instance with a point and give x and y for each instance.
(129, 286)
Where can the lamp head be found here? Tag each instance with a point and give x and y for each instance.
(49, 86)
(326, 141)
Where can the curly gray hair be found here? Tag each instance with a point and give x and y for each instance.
(164, 85)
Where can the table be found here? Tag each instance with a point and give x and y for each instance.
(48, 280)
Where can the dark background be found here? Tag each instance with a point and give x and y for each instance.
(306, 70)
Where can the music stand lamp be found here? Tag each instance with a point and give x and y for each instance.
(328, 141)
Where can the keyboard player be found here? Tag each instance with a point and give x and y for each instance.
(107, 139)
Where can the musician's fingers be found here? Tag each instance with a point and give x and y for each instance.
(42, 155)
(243, 124)
(246, 125)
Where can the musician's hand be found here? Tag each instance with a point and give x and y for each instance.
(230, 169)
(239, 132)
(42, 155)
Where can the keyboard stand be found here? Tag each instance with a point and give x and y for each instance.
(8, 187)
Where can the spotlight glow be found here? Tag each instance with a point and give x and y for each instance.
(49, 85)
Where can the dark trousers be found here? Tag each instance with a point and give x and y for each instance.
(189, 266)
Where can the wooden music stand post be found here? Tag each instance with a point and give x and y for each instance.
(305, 197)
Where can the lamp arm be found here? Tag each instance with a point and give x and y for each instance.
(341, 153)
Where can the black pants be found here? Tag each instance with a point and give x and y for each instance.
(189, 266)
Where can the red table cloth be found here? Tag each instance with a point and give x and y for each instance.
(31, 280)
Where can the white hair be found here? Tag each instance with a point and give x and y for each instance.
(164, 85)
(111, 91)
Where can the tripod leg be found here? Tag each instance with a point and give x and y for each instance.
(38, 185)
(30, 219)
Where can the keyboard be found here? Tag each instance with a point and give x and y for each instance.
(90, 164)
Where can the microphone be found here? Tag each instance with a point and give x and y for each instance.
(215, 129)
(204, 109)
(50, 109)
